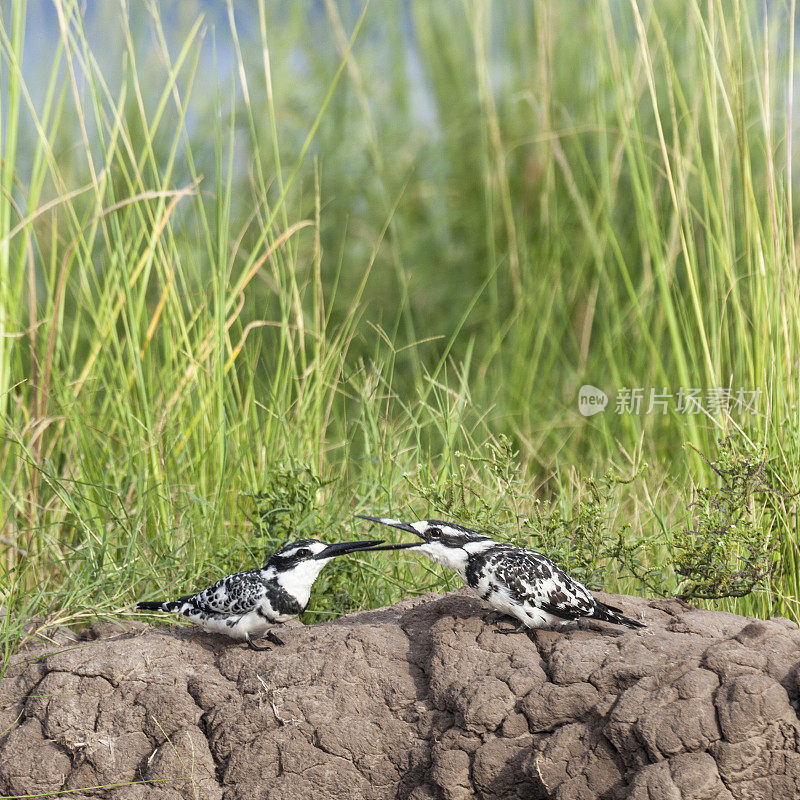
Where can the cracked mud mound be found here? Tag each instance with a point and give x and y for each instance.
(422, 700)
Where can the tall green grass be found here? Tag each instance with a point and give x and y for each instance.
(348, 247)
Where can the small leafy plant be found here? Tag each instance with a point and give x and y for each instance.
(730, 551)
(582, 542)
(463, 496)
(286, 506)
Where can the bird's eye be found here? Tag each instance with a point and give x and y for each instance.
(434, 533)
(303, 552)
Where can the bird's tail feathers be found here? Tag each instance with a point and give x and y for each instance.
(156, 605)
(612, 614)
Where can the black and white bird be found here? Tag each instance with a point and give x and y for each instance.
(245, 605)
(520, 583)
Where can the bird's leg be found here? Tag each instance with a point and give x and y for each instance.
(521, 628)
(270, 636)
(253, 646)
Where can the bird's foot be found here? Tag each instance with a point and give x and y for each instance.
(253, 646)
(519, 629)
(273, 638)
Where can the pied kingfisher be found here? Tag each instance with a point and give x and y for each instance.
(518, 582)
(245, 605)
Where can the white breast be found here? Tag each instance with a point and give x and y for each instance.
(251, 624)
(298, 581)
(454, 558)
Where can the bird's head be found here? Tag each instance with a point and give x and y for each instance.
(447, 543)
(296, 565)
(313, 551)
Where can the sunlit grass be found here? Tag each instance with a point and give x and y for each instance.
(366, 244)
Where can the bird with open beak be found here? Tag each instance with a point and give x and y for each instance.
(520, 583)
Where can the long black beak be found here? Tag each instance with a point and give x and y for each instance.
(342, 548)
(393, 523)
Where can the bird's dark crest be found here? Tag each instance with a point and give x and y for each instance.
(280, 555)
(457, 527)
(296, 543)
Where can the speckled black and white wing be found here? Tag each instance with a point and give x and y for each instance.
(235, 594)
(242, 606)
(529, 582)
(527, 585)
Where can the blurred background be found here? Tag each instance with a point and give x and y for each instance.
(269, 264)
